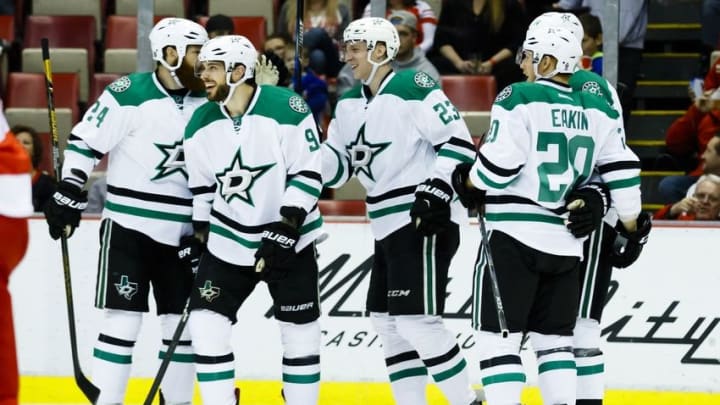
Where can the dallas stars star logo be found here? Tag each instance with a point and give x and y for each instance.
(237, 180)
(125, 288)
(363, 152)
(173, 160)
(208, 292)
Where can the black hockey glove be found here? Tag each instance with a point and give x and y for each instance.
(192, 246)
(431, 210)
(277, 247)
(587, 206)
(628, 245)
(63, 210)
(470, 197)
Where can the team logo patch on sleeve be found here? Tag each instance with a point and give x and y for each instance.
(120, 84)
(505, 93)
(424, 80)
(592, 88)
(298, 104)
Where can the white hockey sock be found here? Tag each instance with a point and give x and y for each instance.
(407, 372)
(556, 368)
(589, 362)
(177, 385)
(439, 351)
(301, 362)
(214, 359)
(112, 355)
(501, 369)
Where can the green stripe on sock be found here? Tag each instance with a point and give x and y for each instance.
(450, 372)
(217, 376)
(410, 372)
(301, 379)
(556, 365)
(501, 378)
(112, 357)
(589, 370)
(179, 357)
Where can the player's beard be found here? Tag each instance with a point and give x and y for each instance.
(186, 75)
(221, 93)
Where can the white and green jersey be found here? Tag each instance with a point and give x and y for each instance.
(408, 132)
(141, 127)
(591, 82)
(543, 140)
(244, 169)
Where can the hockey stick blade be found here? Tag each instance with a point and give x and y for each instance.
(90, 391)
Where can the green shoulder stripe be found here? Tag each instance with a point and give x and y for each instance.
(280, 104)
(202, 117)
(411, 85)
(135, 89)
(525, 93)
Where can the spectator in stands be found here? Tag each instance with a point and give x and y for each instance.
(43, 185)
(710, 31)
(480, 37)
(426, 24)
(702, 205)
(631, 39)
(314, 88)
(218, 25)
(592, 43)
(324, 22)
(712, 78)
(277, 43)
(688, 138)
(409, 55)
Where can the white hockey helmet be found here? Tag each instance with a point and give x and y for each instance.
(554, 19)
(231, 50)
(372, 30)
(558, 43)
(178, 33)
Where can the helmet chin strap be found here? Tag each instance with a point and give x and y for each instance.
(375, 66)
(232, 87)
(172, 70)
(540, 76)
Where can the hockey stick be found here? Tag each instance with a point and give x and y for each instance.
(493, 278)
(491, 265)
(299, 32)
(91, 391)
(168, 354)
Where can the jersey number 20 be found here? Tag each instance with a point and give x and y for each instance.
(567, 152)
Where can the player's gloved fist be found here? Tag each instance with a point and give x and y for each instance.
(190, 250)
(266, 72)
(277, 246)
(587, 206)
(431, 210)
(470, 197)
(63, 210)
(629, 245)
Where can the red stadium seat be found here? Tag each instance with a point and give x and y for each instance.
(27, 90)
(63, 31)
(7, 37)
(72, 43)
(470, 93)
(98, 84)
(121, 31)
(7, 28)
(252, 27)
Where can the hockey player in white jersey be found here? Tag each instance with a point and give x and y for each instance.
(145, 235)
(601, 252)
(253, 156)
(401, 137)
(544, 139)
